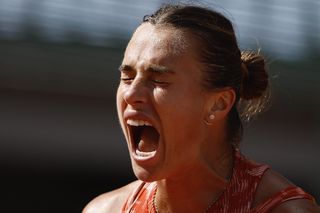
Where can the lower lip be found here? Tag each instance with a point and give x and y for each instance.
(143, 156)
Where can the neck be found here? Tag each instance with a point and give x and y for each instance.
(195, 188)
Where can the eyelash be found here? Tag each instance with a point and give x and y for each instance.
(158, 82)
(128, 80)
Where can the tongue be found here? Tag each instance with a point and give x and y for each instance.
(149, 139)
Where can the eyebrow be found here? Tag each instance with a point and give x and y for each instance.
(152, 68)
(124, 67)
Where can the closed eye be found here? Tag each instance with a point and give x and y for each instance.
(126, 79)
(127, 76)
(127, 73)
(158, 81)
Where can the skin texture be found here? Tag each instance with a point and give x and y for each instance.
(182, 157)
(271, 183)
(153, 95)
(163, 87)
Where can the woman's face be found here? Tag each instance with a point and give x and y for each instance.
(161, 103)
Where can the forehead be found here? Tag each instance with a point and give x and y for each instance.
(157, 44)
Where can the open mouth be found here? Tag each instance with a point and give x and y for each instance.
(144, 137)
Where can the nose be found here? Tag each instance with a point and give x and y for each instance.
(136, 93)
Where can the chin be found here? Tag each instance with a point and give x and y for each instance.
(145, 174)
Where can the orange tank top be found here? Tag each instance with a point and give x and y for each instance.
(237, 198)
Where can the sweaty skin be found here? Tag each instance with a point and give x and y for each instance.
(161, 84)
(176, 104)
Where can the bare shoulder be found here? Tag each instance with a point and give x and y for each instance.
(297, 206)
(111, 201)
(271, 183)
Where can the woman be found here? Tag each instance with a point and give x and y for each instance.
(183, 84)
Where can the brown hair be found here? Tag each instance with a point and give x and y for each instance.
(224, 64)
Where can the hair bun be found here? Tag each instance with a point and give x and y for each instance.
(254, 92)
(255, 78)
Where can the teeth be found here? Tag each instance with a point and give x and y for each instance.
(138, 123)
(145, 154)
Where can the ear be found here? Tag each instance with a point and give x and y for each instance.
(220, 103)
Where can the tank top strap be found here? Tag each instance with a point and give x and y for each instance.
(239, 193)
(290, 193)
(132, 197)
(140, 199)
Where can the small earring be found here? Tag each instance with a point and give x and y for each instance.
(211, 118)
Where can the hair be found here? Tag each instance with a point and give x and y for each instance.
(224, 64)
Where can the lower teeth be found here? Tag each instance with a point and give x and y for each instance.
(144, 154)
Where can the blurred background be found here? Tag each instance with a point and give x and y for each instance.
(60, 142)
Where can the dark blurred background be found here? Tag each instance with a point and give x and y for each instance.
(60, 142)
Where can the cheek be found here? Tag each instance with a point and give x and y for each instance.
(120, 109)
(120, 101)
(160, 95)
(178, 101)
(118, 98)
(179, 110)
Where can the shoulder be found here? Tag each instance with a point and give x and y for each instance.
(111, 201)
(296, 206)
(271, 184)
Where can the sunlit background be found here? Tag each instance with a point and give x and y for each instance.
(60, 142)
